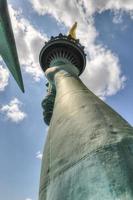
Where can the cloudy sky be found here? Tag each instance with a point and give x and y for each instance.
(105, 28)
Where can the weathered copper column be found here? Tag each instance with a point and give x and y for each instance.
(88, 154)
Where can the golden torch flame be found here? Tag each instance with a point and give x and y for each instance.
(72, 31)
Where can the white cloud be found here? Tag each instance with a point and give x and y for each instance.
(29, 42)
(13, 111)
(118, 7)
(58, 7)
(4, 78)
(28, 199)
(102, 5)
(103, 72)
(39, 155)
(118, 17)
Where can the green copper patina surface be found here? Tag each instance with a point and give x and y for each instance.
(88, 154)
(7, 44)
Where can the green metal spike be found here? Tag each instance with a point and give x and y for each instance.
(8, 49)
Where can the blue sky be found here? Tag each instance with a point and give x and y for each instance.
(105, 28)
